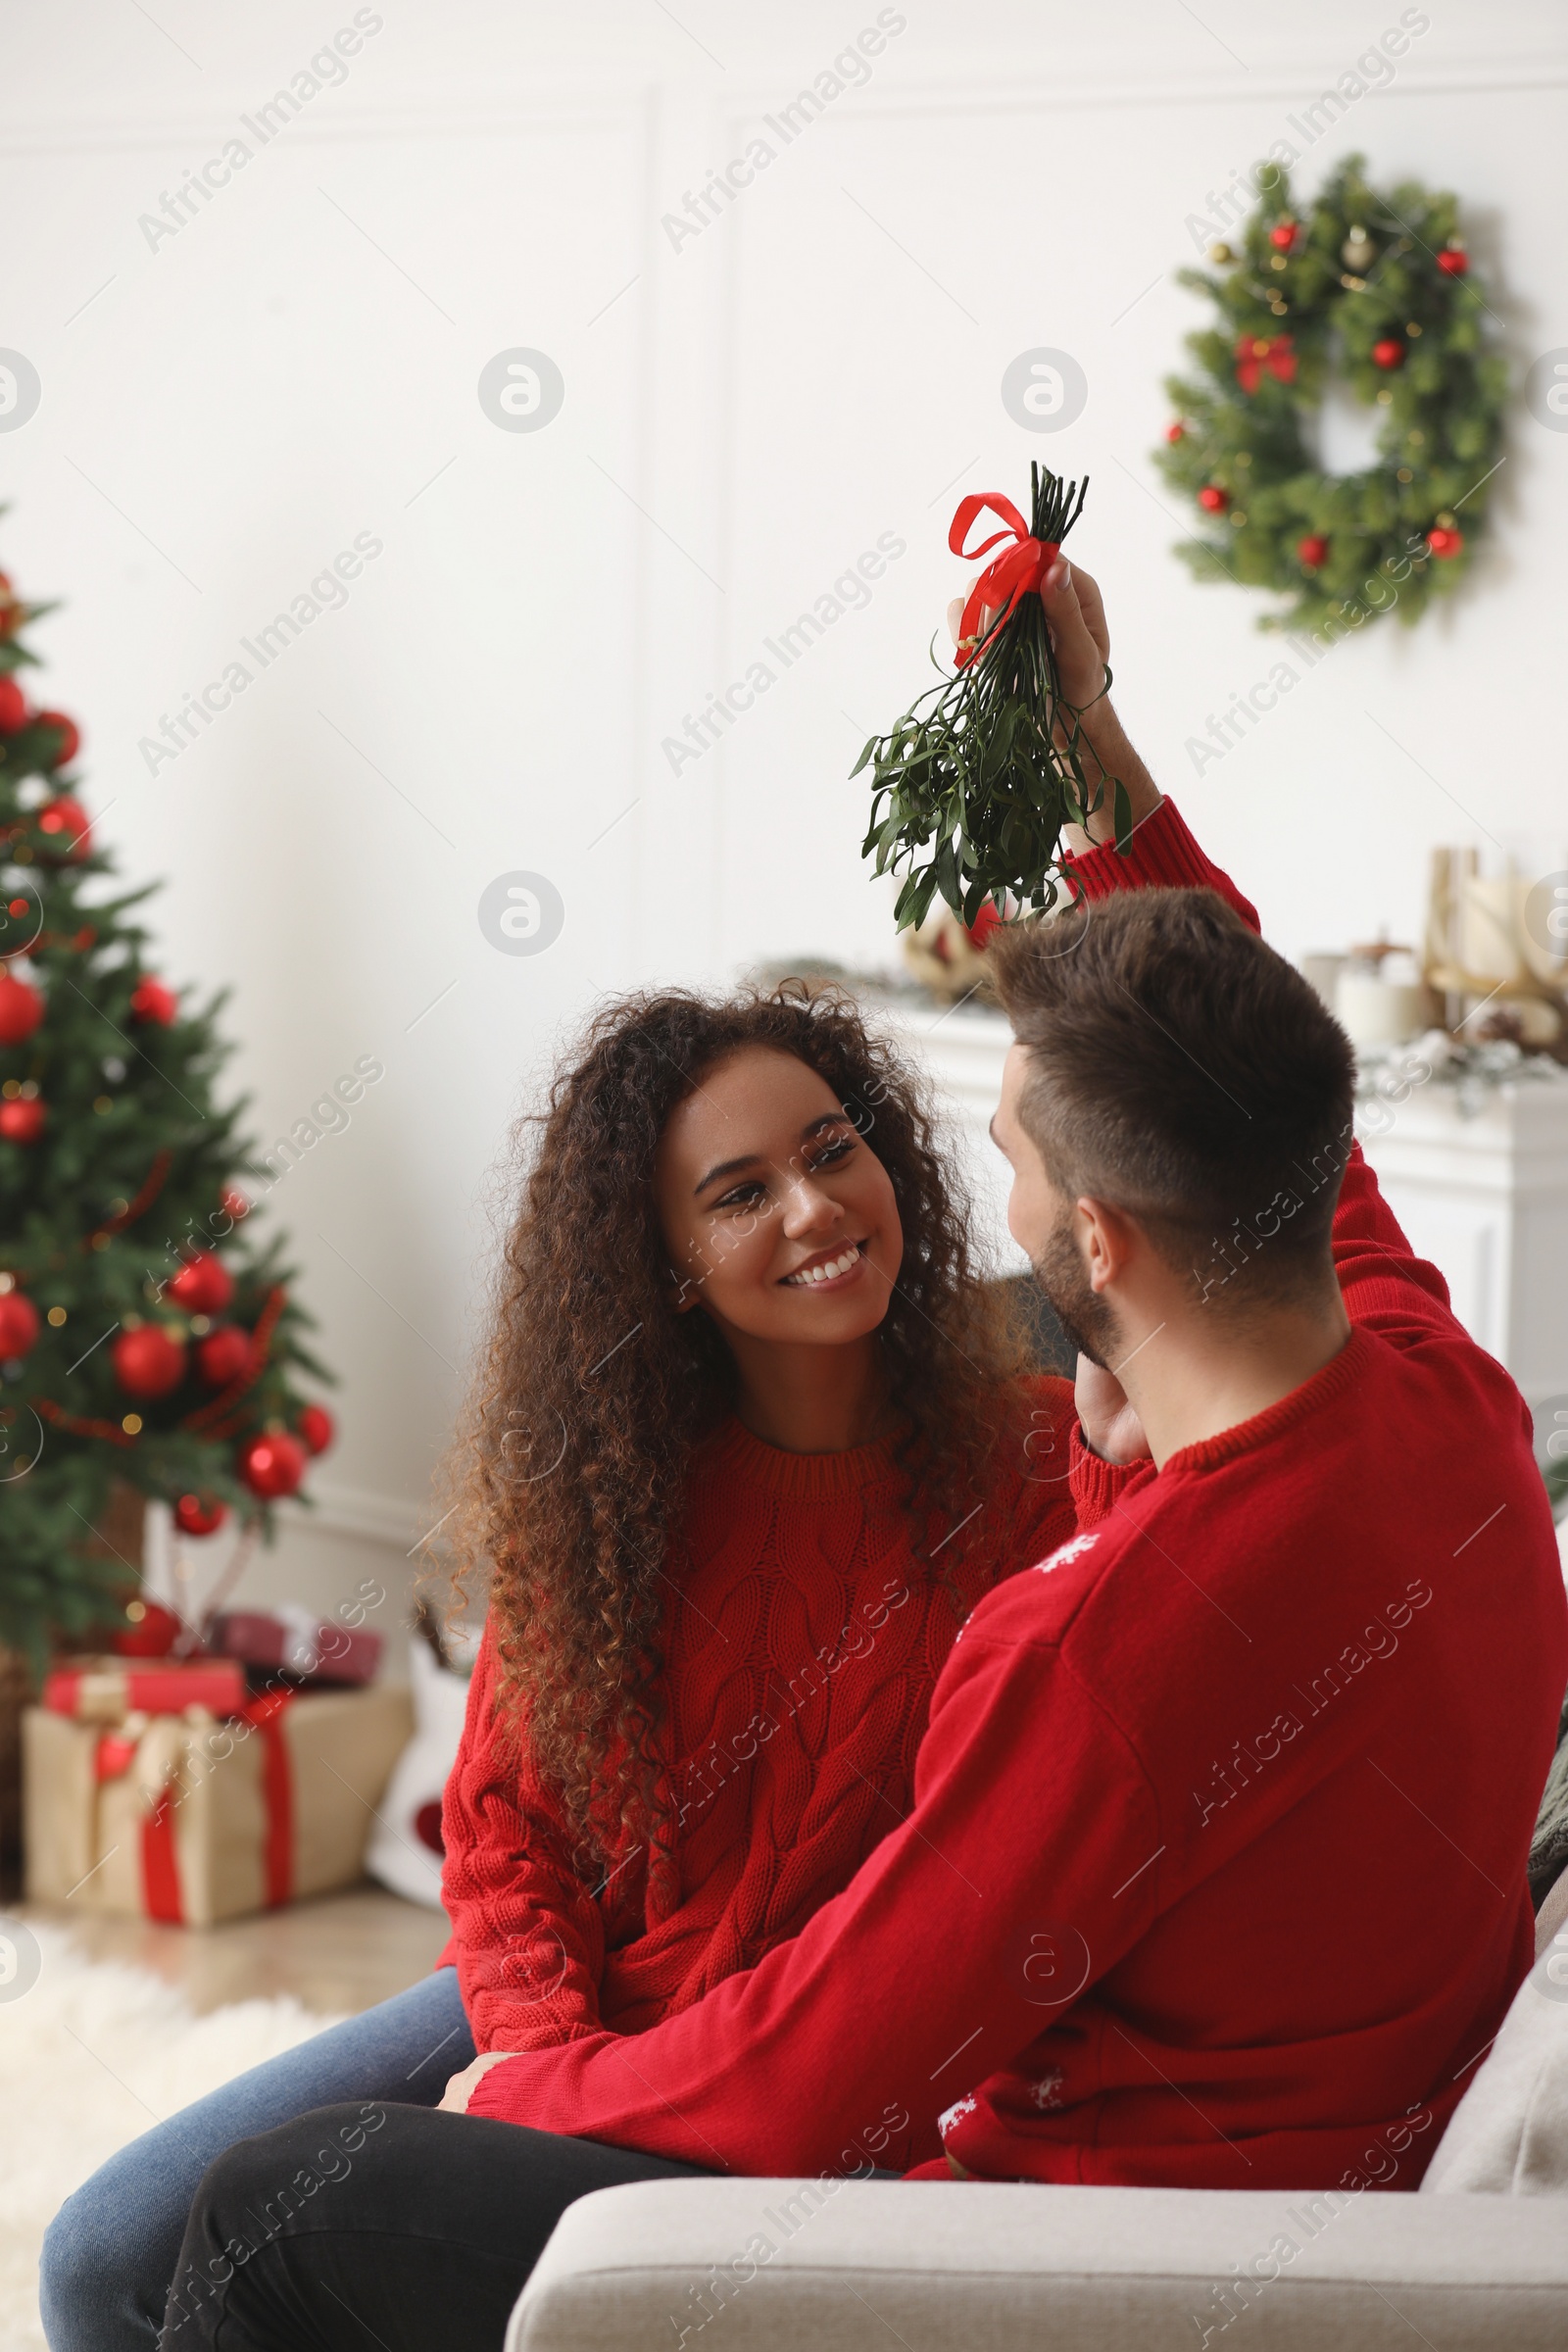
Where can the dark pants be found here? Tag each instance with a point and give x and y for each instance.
(374, 2223)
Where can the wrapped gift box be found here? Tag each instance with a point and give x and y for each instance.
(108, 1690)
(194, 1818)
(295, 1640)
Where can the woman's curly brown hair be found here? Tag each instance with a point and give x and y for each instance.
(571, 1463)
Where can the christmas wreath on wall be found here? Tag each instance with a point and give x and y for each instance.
(1377, 291)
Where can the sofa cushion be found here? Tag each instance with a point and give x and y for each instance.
(1509, 2133)
(847, 2266)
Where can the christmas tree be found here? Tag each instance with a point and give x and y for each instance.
(145, 1337)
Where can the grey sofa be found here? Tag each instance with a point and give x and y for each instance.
(1477, 2262)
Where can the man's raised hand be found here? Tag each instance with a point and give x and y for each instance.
(1080, 639)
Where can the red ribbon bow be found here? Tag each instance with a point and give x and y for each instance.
(1006, 582)
(159, 1867)
(1254, 353)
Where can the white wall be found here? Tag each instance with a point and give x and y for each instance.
(743, 417)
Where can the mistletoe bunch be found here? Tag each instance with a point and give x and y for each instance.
(971, 788)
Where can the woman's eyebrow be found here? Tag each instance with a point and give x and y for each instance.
(728, 1167)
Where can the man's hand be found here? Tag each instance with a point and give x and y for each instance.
(1109, 1422)
(1080, 639)
(1079, 636)
(462, 2087)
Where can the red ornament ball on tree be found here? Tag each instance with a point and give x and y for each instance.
(273, 1466)
(21, 1009)
(66, 822)
(1312, 551)
(69, 737)
(1213, 498)
(22, 1121)
(1445, 543)
(233, 1204)
(199, 1516)
(1175, 432)
(224, 1355)
(151, 1634)
(203, 1286)
(1454, 261)
(317, 1427)
(1282, 236)
(13, 706)
(151, 1000)
(148, 1361)
(18, 1325)
(1389, 353)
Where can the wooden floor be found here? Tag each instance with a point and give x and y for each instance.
(336, 1952)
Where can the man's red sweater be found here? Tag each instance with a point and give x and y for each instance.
(1216, 1872)
(802, 1645)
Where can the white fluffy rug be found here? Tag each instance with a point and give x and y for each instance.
(90, 2055)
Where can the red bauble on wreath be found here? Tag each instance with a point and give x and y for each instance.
(272, 1465)
(148, 1361)
(1444, 544)
(224, 1355)
(67, 823)
(203, 1286)
(21, 1009)
(22, 1121)
(316, 1428)
(1387, 353)
(13, 706)
(1314, 550)
(18, 1325)
(1213, 498)
(151, 1000)
(199, 1516)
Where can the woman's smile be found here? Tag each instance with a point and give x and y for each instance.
(830, 1269)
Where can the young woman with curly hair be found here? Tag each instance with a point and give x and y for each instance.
(749, 1440)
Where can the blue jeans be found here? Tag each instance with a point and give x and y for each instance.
(113, 2249)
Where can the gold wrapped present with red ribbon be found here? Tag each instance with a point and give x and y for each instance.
(192, 1817)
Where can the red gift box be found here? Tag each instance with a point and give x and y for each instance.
(108, 1690)
(294, 1641)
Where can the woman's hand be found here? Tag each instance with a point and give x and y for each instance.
(1109, 1422)
(462, 2087)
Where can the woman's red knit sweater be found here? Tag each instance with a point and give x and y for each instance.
(802, 1643)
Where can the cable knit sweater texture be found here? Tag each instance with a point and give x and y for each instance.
(802, 1643)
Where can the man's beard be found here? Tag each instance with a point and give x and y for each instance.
(1085, 1319)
